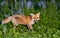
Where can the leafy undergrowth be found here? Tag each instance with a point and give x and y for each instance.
(47, 27)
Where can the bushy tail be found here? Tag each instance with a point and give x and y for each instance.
(6, 20)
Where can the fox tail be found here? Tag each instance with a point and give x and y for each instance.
(6, 20)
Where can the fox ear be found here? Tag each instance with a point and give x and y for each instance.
(31, 14)
(38, 13)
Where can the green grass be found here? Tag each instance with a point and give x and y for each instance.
(47, 27)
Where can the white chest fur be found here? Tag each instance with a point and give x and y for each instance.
(32, 22)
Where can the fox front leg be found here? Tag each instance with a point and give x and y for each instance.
(30, 27)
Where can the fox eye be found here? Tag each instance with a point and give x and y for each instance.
(34, 18)
(37, 17)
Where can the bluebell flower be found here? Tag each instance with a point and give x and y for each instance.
(29, 4)
(39, 4)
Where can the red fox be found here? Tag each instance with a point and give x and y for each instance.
(22, 19)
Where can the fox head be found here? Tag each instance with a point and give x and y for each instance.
(35, 17)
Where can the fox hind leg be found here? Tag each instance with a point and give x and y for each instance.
(14, 26)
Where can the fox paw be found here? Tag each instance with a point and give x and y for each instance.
(31, 29)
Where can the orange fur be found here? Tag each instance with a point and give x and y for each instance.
(22, 19)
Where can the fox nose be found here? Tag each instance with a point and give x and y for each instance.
(35, 20)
